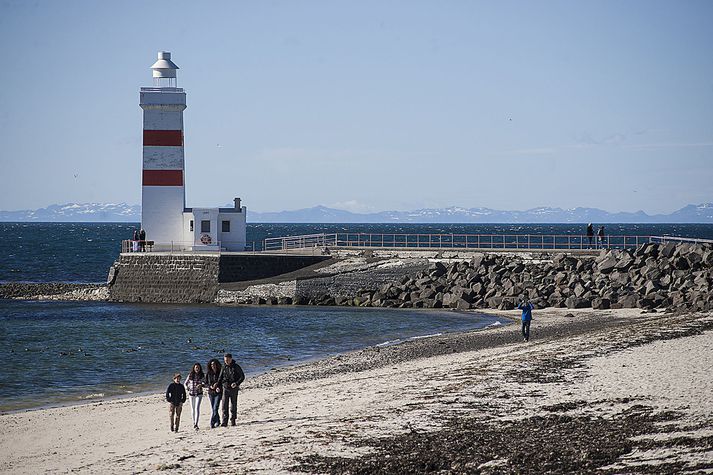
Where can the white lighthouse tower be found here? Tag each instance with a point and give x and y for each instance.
(163, 194)
(164, 216)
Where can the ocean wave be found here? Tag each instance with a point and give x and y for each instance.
(92, 396)
(418, 337)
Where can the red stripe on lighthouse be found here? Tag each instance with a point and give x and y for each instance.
(163, 178)
(167, 138)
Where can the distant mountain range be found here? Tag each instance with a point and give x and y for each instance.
(77, 212)
(702, 213)
(122, 212)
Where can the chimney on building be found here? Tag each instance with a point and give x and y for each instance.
(237, 204)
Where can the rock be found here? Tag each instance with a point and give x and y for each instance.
(437, 269)
(625, 262)
(628, 301)
(650, 288)
(681, 263)
(668, 249)
(577, 302)
(607, 264)
(600, 303)
(494, 302)
(579, 290)
(423, 282)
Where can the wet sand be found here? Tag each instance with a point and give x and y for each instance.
(617, 390)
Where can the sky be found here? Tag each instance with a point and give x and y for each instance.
(366, 105)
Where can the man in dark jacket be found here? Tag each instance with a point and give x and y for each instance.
(176, 396)
(231, 375)
(526, 308)
(590, 233)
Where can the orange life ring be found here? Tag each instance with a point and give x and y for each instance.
(206, 239)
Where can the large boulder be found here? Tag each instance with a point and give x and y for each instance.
(668, 249)
(628, 301)
(437, 269)
(599, 303)
(607, 264)
(577, 302)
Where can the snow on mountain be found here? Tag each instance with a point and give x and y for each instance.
(122, 212)
(77, 212)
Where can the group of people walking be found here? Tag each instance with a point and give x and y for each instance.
(222, 383)
(600, 235)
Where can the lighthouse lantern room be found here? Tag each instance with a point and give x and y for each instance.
(164, 216)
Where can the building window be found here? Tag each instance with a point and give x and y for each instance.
(225, 227)
(205, 226)
(191, 226)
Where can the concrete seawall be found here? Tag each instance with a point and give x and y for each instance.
(192, 278)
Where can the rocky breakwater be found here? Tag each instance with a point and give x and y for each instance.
(653, 276)
(53, 291)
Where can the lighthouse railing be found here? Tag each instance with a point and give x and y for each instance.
(185, 247)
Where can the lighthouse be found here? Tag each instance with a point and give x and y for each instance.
(163, 191)
(164, 216)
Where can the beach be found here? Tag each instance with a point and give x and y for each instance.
(619, 389)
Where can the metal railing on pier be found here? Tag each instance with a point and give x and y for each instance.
(129, 246)
(523, 242)
(676, 240)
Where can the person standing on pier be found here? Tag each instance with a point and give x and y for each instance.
(600, 234)
(230, 378)
(590, 233)
(526, 308)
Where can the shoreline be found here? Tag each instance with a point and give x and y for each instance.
(351, 410)
(80, 399)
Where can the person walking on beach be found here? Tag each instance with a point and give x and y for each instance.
(590, 233)
(176, 396)
(600, 234)
(214, 391)
(230, 378)
(194, 385)
(526, 308)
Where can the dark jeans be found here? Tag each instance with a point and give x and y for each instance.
(215, 406)
(232, 398)
(526, 329)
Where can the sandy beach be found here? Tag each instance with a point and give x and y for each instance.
(614, 391)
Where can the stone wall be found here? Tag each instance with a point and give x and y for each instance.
(192, 278)
(165, 278)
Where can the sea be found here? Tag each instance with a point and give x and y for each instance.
(66, 352)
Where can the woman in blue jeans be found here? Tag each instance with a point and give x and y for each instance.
(214, 391)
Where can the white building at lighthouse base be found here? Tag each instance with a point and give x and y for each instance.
(207, 229)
